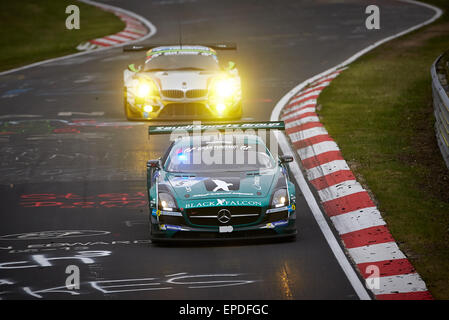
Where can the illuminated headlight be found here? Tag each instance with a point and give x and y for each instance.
(221, 107)
(280, 198)
(225, 88)
(144, 89)
(166, 202)
(148, 108)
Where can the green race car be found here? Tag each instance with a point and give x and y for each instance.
(226, 185)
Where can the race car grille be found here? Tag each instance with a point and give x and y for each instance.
(196, 93)
(173, 93)
(276, 216)
(210, 216)
(185, 109)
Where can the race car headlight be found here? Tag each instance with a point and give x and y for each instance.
(225, 88)
(220, 107)
(146, 88)
(280, 198)
(166, 202)
(143, 89)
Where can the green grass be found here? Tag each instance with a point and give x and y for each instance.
(34, 30)
(380, 113)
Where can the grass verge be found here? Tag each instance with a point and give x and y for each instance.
(380, 113)
(34, 30)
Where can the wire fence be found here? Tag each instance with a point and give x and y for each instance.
(441, 110)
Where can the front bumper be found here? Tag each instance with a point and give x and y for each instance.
(175, 109)
(263, 228)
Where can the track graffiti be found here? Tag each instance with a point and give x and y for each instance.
(134, 285)
(72, 200)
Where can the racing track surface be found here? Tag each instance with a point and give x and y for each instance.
(92, 176)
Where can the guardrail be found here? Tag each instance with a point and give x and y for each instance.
(441, 111)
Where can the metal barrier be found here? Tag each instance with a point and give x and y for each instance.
(441, 111)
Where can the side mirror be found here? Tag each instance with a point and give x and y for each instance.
(133, 68)
(286, 158)
(153, 164)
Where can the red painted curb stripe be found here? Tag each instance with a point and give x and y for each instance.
(135, 25)
(388, 268)
(136, 33)
(332, 179)
(368, 236)
(361, 238)
(291, 105)
(310, 141)
(322, 158)
(327, 77)
(99, 43)
(301, 116)
(421, 295)
(120, 34)
(348, 203)
(309, 105)
(307, 92)
(304, 126)
(111, 39)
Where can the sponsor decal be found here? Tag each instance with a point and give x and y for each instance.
(223, 202)
(223, 185)
(256, 183)
(219, 147)
(201, 127)
(181, 182)
(228, 184)
(272, 225)
(246, 194)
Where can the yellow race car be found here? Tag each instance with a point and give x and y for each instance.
(182, 82)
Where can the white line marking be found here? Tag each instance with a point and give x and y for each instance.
(71, 113)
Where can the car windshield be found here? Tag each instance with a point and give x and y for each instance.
(219, 155)
(182, 62)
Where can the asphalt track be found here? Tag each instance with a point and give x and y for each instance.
(57, 176)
